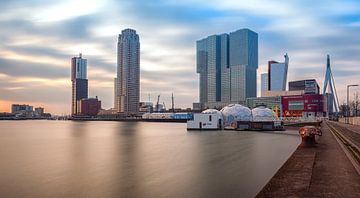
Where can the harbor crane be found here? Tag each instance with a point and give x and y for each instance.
(172, 102)
(157, 104)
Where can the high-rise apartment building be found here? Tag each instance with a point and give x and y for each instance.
(264, 83)
(277, 74)
(127, 81)
(79, 81)
(227, 65)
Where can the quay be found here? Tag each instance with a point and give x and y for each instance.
(328, 169)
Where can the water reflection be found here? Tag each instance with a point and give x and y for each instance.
(136, 159)
(125, 169)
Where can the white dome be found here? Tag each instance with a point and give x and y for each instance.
(263, 114)
(212, 111)
(235, 112)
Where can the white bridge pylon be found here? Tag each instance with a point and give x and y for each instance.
(329, 87)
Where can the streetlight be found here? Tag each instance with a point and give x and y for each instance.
(348, 105)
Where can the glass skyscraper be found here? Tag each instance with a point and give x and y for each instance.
(79, 82)
(127, 82)
(227, 65)
(278, 74)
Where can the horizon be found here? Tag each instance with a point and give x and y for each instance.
(39, 38)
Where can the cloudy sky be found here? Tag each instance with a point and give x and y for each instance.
(39, 37)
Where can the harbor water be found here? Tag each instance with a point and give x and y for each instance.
(136, 159)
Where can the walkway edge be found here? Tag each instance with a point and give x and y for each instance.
(346, 151)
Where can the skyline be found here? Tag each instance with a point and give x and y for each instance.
(39, 38)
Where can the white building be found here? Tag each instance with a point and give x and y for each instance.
(277, 74)
(207, 120)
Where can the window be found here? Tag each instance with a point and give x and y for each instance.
(210, 118)
(296, 105)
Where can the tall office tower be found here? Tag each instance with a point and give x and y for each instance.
(264, 83)
(243, 63)
(79, 81)
(227, 66)
(278, 74)
(127, 82)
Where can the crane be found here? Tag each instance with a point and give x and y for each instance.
(172, 102)
(157, 104)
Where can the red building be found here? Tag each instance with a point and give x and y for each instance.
(89, 107)
(307, 105)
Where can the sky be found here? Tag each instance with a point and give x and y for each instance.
(38, 38)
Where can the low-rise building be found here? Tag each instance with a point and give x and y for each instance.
(309, 86)
(146, 107)
(39, 111)
(282, 93)
(273, 103)
(307, 105)
(89, 107)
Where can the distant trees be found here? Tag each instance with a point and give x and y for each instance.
(354, 105)
(353, 109)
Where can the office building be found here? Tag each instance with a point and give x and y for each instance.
(264, 83)
(227, 65)
(18, 108)
(88, 106)
(79, 81)
(308, 86)
(277, 74)
(127, 81)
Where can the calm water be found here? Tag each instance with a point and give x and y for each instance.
(135, 159)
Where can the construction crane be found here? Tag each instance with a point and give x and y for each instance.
(157, 104)
(172, 102)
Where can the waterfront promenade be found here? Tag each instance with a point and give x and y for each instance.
(326, 170)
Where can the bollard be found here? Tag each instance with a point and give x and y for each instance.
(308, 134)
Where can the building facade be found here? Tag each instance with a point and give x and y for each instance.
(307, 105)
(308, 86)
(227, 66)
(277, 74)
(16, 108)
(264, 83)
(127, 81)
(89, 107)
(79, 81)
(273, 103)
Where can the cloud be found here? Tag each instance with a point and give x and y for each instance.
(38, 39)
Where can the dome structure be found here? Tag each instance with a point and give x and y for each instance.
(235, 112)
(213, 111)
(262, 113)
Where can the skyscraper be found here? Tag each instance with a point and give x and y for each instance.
(127, 81)
(243, 61)
(227, 65)
(79, 81)
(278, 74)
(264, 83)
